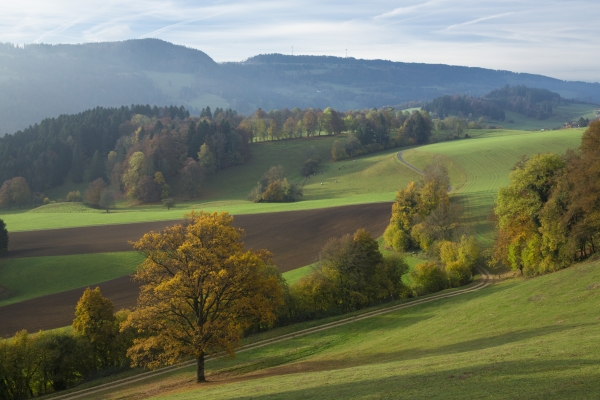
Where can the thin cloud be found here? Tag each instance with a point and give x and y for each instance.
(182, 23)
(478, 20)
(499, 35)
(404, 10)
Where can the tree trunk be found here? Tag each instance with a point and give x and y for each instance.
(200, 371)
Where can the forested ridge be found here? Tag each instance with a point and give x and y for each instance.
(531, 102)
(44, 153)
(39, 81)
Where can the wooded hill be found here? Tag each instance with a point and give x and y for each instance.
(40, 81)
(151, 153)
(531, 102)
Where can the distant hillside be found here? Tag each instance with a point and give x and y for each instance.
(40, 81)
(535, 103)
(464, 106)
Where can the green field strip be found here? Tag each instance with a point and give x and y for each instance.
(17, 221)
(34, 277)
(295, 275)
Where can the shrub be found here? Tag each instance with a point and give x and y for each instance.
(310, 167)
(338, 151)
(428, 278)
(169, 202)
(458, 273)
(74, 196)
(396, 238)
(94, 192)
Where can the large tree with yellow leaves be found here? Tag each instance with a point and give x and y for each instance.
(200, 291)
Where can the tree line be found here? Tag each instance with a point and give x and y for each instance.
(547, 218)
(464, 106)
(152, 154)
(50, 361)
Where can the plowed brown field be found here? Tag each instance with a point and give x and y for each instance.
(294, 238)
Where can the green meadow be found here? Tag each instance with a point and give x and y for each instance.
(33, 277)
(562, 114)
(478, 166)
(368, 179)
(39, 276)
(520, 338)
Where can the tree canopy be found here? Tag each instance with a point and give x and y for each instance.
(200, 291)
(548, 216)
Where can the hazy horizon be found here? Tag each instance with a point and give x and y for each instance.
(557, 39)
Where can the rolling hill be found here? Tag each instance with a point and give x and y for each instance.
(40, 81)
(520, 338)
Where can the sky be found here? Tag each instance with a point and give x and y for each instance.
(555, 38)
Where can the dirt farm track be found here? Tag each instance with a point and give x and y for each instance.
(294, 238)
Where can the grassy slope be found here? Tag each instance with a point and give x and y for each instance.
(369, 179)
(534, 339)
(562, 114)
(480, 165)
(39, 276)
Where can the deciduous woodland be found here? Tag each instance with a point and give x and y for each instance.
(151, 154)
(548, 217)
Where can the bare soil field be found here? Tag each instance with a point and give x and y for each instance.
(295, 239)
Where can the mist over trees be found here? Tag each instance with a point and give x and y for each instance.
(42, 81)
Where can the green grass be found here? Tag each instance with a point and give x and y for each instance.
(368, 179)
(62, 208)
(376, 173)
(295, 275)
(25, 220)
(480, 165)
(39, 276)
(562, 114)
(531, 339)
(60, 192)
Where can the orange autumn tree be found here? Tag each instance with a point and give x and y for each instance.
(200, 291)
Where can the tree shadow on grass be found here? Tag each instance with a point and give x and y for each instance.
(298, 349)
(482, 343)
(529, 379)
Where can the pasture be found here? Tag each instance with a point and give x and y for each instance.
(294, 238)
(562, 113)
(533, 337)
(480, 165)
(33, 277)
(367, 179)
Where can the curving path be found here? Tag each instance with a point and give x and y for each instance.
(485, 281)
(409, 165)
